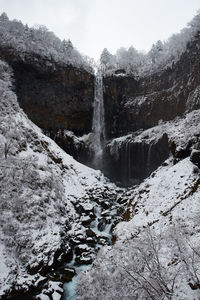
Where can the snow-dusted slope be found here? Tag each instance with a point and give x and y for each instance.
(180, 131)
(38, 183)
(156, 255)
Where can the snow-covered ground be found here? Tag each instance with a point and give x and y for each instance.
(157, 251)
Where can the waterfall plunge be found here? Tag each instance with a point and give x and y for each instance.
(98, 128)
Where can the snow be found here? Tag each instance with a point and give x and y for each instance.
(137, 101)
(162, 55)
(166, 204)
(42, 297)
(158, 195)
(39, 185)
(56, 296)
(3, 267)
(48, 48)
(180, 130)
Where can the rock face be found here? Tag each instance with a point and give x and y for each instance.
(195, 158)
(128, 162)
(73, 145)
(132, 104)
(54, 96)
(59, 98)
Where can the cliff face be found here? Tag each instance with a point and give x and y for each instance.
(132, 104)
(59, 98)
(54, 96)
(129, 161)
(138, 104)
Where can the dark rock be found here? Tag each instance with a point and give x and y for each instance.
(102, 224)
(62, 255)
(54, 276)
(120, 71)
(54, 96)
(86, 220)
(67, 274)
(91, 241)
(183, 151)
(105, 204)
(78, 239)
(105, 213)
(72, 145)
(84, 259)
(90, 233)
(33, 269)
(133, 161)
(84, 208)
(83, 248)
(131, 104)
(195, 158)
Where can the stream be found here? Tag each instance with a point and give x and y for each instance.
(102, 232)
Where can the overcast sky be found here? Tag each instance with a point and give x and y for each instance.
(95, 24)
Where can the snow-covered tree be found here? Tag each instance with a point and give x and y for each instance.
(156, 52)
(161, 55)
(107, 60)
(41, 41)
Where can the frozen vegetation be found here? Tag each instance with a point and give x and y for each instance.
(162, 54)
(39, 40)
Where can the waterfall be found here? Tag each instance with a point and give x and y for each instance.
(98, 128)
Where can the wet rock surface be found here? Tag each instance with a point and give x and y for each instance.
(129, 161)
(195, 158)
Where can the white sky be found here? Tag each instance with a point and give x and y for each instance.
(96, 24)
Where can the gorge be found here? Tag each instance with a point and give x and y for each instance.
(98, 172)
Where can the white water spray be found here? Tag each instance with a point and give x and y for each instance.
(98, 128)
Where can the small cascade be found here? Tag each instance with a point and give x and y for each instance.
(98, 129)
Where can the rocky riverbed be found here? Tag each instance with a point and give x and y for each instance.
(85, 235)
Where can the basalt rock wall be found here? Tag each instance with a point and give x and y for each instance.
(131, 104)
(130, 161)
(54, 96)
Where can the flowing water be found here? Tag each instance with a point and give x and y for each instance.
(70, 287)
(97, 144)
(98, 127)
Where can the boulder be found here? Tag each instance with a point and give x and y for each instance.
(102, 224)
(85, 259)
(195, 158)
(83, 248)
(67, 274)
